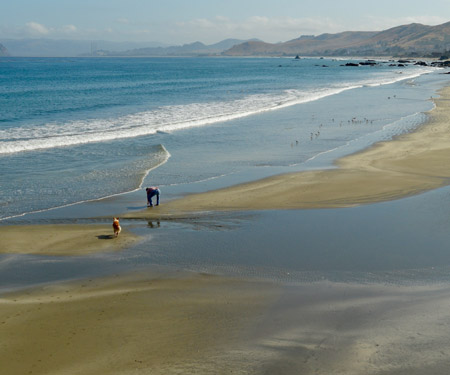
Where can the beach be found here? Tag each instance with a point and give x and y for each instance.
(257, 320)
(408, 165)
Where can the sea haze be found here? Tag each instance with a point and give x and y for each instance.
(73, 130)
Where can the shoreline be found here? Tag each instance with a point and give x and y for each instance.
(126, 191)
(407, 165)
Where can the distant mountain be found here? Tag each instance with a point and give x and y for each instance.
(413, 39)
(305, 45)
(3, 50)
(191, 49)
(66, 48)
(72, 48)
(406, 40)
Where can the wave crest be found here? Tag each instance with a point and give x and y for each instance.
(169, 118)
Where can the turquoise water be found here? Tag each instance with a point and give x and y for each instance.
(75, 130)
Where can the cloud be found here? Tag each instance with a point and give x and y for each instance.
(69, 29)
(35, 28)
(124, 21)
(202, 23)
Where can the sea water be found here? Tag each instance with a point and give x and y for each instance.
(77, 130)
(74, 130)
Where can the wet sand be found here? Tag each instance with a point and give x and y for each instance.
(200, 324)
(128, 325)
(62, 239)
(408, 165)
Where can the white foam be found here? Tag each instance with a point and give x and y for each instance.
(165, 157)
(172, 118)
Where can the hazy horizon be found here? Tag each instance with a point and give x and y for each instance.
(176, 22)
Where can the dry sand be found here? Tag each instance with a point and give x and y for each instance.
(408, 165)
(62, 239)
(210, 325)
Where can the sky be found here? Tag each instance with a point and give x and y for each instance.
(176, 22)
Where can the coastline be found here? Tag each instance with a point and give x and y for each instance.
(361, 80)
(407, 165)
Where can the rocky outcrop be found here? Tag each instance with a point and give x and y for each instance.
(441, 64)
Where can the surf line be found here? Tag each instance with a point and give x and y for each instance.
(141, 124)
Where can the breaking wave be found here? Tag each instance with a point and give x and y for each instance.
(168, 119)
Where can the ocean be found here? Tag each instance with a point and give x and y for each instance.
(82, 129)
(81, 138)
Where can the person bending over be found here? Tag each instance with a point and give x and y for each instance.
(151, 192)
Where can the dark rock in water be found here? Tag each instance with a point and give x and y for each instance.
(351, 64)
(403, 61)
(421, 63)
(401, 65)
(324, 66)
(368, 62)
(392, 65)
(297, 57)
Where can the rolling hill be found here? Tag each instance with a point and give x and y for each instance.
(413, 39)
